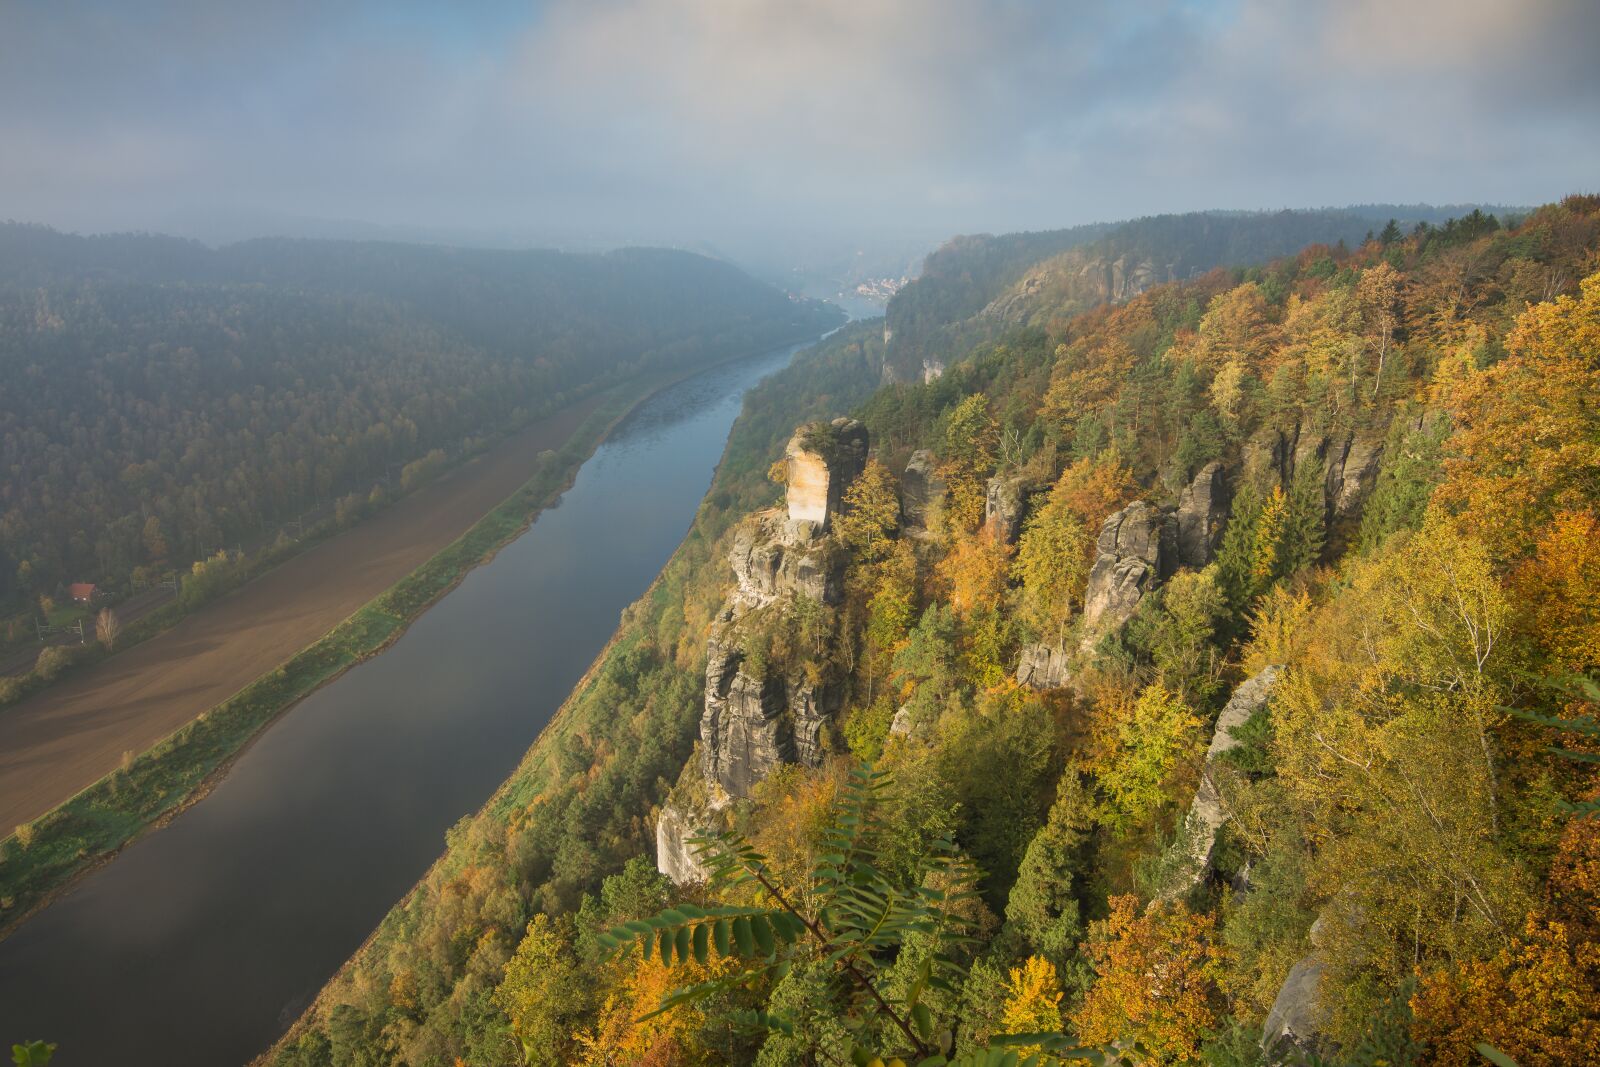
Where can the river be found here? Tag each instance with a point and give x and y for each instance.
(201, 942)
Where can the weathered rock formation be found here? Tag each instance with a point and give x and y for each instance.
(689, 811)
(1004, 506)
(1350, 471)
(1138, 549)
(1206, 813)
(900, 725)
(773, 558)
(822, 460)
(921, 490)
(1202, 513)
(751, 725)
(754, 717)
(1043, 666)
(1352, 475)
(1293, 1030)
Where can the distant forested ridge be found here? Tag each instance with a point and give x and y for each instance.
(1055, 274)
(160, 399)
(1205, 643)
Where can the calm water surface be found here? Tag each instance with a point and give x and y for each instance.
(199, 944)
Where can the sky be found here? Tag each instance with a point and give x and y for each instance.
(709, 121)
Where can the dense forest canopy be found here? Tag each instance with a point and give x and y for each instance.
(163, 399)
(1292, 756)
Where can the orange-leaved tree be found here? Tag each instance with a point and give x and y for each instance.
(1155, 980)
(1538, 999)
(1528, 439)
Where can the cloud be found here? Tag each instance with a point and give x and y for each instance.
(677, 119)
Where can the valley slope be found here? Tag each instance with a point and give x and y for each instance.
(1286, 422)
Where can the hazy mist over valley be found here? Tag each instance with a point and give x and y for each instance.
(959, 533)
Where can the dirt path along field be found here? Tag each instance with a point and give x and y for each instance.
(71, 734)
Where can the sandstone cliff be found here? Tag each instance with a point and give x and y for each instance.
(758, 715)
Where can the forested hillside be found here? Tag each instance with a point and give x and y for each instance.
(1186, 675)
(1056, 274)
(164, 399)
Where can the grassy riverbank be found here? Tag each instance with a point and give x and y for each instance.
(45, 855)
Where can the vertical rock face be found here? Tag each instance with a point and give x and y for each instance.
(1310, 446)
(932, 370)
(753, 720)
(808, 484)
(921, 488)
(821, 463)
(1003, 507)
(1138, 548)
(743, 728)
(1266, 458)
(1206, 814)
(751, 724)
(1202, 513)
(1043, 666)
(1352, 474)
(675, 857)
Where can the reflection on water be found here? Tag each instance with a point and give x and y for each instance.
(201, 942)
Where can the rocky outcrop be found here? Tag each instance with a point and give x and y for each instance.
(900, 725)
(675, 857)
(750, 725)
(1353, 465)
(1293, 1030)
(1202, 513)
(1350, 463)
(1043, 667)
(773, 558)
(932, 370)
(1004, 506)
(822, 460)
(1206, 814)
(1138, 549)
(755, 717)
(693, 808)
(921, 490)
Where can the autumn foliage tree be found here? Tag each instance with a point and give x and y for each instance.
(1537, 999)
(971, 441)
(1033, 1000)
(1155, 974)
(1528, 442)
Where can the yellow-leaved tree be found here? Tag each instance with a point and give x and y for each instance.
(971, 440)
(1033, 1001)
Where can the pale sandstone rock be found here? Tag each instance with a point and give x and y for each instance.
(817, 481)
(1206, 814)
(1137, 551)
(1004, 505)
(1294, 1027)
(1043, 666)
(1202, 513)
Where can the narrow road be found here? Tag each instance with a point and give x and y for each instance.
(54, 744)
